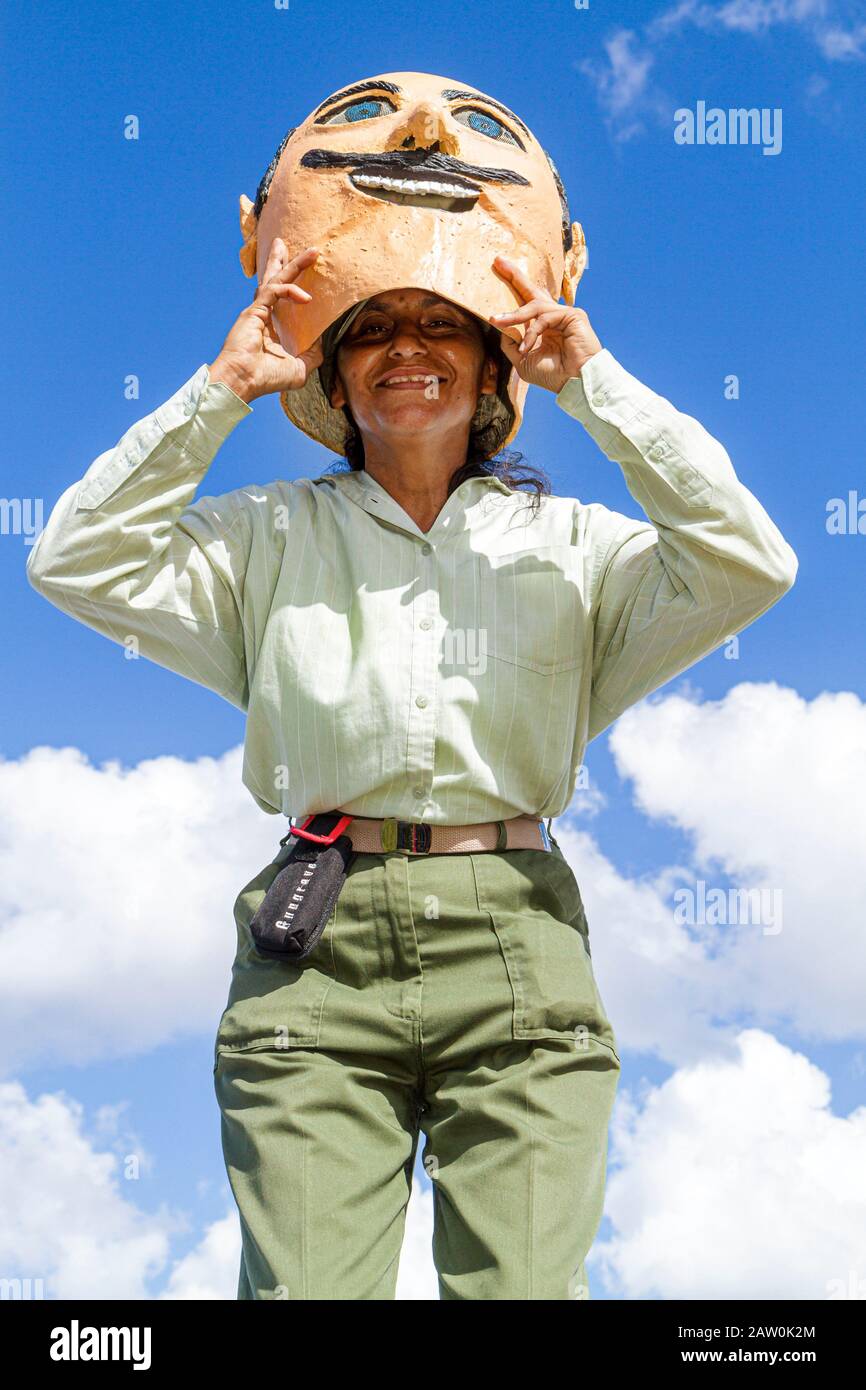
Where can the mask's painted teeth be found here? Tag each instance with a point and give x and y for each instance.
(440, 190)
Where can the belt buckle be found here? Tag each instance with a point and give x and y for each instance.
(405, 836)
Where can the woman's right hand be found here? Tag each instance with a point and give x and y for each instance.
(252, 361)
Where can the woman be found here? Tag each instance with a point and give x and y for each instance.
(419, 649)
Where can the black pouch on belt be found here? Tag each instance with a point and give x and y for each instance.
(296, 907)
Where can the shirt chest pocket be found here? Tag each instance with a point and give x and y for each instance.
(530, 609)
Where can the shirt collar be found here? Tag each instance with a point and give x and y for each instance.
(374, 498)
(358, 481)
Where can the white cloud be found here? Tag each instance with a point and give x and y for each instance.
(841, 45)
(210, 1271)
(655, 980)
(622, 82)
(68, 1221)
(116, 893)
(734, 1179)
(756, 16)
(64, 1218)
(771, 791)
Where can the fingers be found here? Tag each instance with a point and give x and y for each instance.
(290, 269)
(277, 257)
(538, 325)
(267, 295)
(538, 314)
(289, 291)
(510, 270)
(526, 311)
(280, 273)
(275, 349)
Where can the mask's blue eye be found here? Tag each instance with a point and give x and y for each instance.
(363, 110)
(484, 124)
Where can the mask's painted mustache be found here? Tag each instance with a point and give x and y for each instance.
(413, 163)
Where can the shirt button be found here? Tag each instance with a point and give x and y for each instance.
(599, 398)
(425, 549)
(657, 452)
(425, 623)
(421, 701)
(418, 793)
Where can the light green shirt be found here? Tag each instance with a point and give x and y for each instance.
(452, 676)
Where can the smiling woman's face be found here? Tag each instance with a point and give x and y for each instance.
(412, 362)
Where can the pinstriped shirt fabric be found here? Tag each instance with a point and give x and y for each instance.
(451, 676)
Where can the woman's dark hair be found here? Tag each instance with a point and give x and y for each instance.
(506, 464)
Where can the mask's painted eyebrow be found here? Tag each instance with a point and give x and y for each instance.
(453, 93)
(371, 86)
(450, 94)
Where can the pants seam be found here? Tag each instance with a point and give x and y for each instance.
(395, 1013)
(420, 1015)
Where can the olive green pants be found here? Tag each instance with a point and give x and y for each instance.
(450, 995)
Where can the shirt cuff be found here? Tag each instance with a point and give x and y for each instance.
(604, 397)
(197, 419)
(211, 409)
(639, 429)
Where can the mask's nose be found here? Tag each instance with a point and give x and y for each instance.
(424, 124)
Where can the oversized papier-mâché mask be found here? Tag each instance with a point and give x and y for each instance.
(411, 180)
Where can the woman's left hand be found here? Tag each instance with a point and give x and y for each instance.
(557, 339)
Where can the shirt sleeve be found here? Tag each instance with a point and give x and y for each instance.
(708, 562)
(126, 551)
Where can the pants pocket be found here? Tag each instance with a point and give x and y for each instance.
(273, 1004)
(535, 909)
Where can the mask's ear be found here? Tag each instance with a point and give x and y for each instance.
(576, 261)
(249, 229)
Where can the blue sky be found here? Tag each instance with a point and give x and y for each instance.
(705, 261)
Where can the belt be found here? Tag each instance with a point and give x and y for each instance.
(374, 835)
